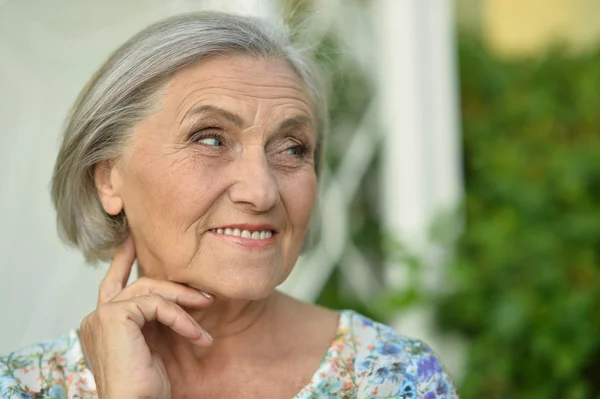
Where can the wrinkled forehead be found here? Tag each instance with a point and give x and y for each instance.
(243, 85)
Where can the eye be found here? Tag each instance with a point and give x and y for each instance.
(298, 150)
(210, 137)
(211, 141)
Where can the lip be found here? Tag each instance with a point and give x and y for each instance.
(247, 243)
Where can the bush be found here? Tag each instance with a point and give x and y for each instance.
(526, 277)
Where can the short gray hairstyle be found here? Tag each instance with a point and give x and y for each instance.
(122, 93)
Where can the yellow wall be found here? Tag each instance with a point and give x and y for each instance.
(525, 27)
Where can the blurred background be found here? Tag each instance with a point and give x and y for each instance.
(460, 201)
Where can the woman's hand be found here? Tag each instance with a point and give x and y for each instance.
(115, 337)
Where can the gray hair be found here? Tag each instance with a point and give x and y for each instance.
(122, 93)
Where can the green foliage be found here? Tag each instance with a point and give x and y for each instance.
(526, 277)
(524, 285)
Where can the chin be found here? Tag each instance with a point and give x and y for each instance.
(246, 292)
(247, 287)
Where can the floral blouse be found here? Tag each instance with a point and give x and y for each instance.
(366, 360)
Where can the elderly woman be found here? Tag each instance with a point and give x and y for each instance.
(194, 150)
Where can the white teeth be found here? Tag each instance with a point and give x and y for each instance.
(254, 235)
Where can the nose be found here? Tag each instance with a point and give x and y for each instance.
(255, 187)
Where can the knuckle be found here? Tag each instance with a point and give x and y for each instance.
(140, 287)
(151, 298)
(155, 297)
(131, 291)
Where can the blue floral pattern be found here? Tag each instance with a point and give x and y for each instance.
(367, 360)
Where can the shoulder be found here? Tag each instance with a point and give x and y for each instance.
(52, 369)
(388, 364)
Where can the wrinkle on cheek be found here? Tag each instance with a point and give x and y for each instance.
(192, 184)
(149, 153)
(179, 167)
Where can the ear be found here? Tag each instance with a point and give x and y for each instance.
(108, 182)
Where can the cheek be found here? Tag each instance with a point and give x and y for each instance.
(298, 194)
(176, 192)
(168, 201)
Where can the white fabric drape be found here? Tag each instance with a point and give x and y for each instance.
(48, 50)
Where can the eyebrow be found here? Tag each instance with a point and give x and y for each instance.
(295, 122)
(231, 117)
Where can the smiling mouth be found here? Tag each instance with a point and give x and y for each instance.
(250, 234)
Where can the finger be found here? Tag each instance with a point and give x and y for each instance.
(118, 272)
(175, 292)
(153, 307)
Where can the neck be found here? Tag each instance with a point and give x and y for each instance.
(227, 318)
(242, 331)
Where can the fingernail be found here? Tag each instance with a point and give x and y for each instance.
(206, 334)
(206, 294)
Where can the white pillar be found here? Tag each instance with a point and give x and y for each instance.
(418, 105)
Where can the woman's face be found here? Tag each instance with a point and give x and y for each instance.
(219, 182)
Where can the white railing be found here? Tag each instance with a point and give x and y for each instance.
(351, 27)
